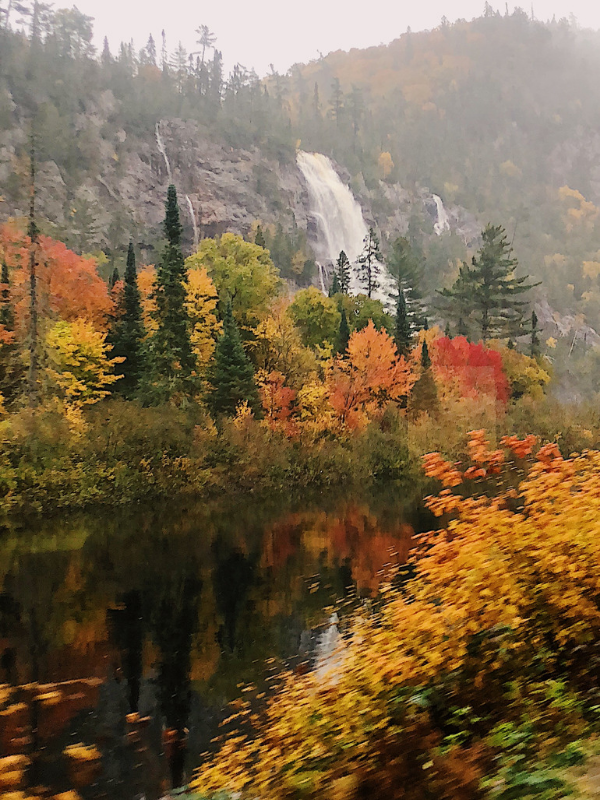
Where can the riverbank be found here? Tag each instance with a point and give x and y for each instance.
(124, 453)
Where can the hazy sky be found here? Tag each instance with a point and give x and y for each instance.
(260, 32)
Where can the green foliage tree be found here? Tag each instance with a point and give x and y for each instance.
(259, 238)
(316, 316)
(370, 261)
(128, 331)
(424, 394)
(243, 274)
(335, 285)
(231, 375)
(172, 360)
(488, 292)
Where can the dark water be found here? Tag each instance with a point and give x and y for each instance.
(124, 635)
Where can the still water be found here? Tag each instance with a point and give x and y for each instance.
(124, 635)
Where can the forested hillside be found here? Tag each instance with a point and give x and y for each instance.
(498, 116)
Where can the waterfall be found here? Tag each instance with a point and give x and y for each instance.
(443, 221)
(194, 224)
(340, 223)
(163, 151)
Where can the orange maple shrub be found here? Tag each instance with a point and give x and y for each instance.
(69, 286)
(368, 377)
(499, 624)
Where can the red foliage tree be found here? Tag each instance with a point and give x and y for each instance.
(473, 368)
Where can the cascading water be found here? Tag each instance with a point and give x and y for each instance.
(340, 223)
(443, 221)
(163, 151)
(328, 650)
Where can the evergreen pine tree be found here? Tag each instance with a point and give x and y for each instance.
(403, 263)
(487, 292)
(114, 278)
(462, 328)
(259, 238)
(335, 285)
(128, 331)
(424, 395)
(403, 333)
(172, 360)
(535, 339)
(342, 270)
(231, 376)
(370, 262)
(344, 333)
(447, 331)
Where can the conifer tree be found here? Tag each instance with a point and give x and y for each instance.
(404, 265)
(343, 273)
(259, 238)
(424, 395)
(171, 356)
(462, 328)
(114, 279)
(335, 285)
(535, 339)
(447, 331)
(128, 331)
(403, 332)
(344, 333)
(488, 292)
(231, 375)
(370, 262)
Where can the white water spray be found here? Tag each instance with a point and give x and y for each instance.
(443, 221)
(163, 151)
(328, 650)
(340, 223)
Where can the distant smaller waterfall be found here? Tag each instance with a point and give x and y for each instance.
(443, 220)
(163, 151)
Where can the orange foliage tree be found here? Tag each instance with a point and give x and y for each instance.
(69, 286)
(369, 376)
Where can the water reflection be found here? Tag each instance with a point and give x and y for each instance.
(123, 637)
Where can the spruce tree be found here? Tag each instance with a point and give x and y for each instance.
(488, 292)
(424, 395)
(114, 279)
(259, 238)
(447, 331)
(128, 331)
(335, 286)
(231, 375)
(344, 333)
(343, 272)
(535, 339)
(172, 359)
(462, 328)
(403, 332)
(370, 262)
(404, 265)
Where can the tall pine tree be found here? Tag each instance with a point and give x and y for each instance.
(407, 270)
(172, 359)
(403, 332)
(343, 272)
(231, 375)
(487, 293)
(370, 261)
(424, 395)
(344, 333)
(128, 332)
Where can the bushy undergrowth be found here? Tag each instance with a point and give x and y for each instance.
(478, 678)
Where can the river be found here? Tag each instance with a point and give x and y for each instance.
(126, 634)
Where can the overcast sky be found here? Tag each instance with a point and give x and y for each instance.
(281, 32)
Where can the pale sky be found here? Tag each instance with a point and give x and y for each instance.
(256, 33)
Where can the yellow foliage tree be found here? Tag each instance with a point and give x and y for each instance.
(201, 305)
(79, 369)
